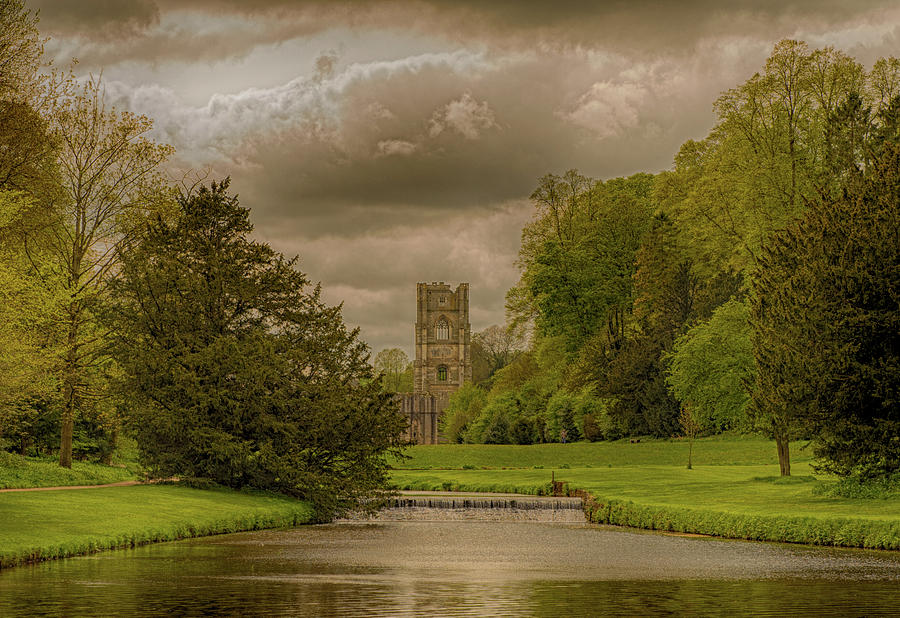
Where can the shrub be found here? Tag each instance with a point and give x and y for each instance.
(560, 416)
(464, 406)
(492, 425)
(856, 487)
(588, 411)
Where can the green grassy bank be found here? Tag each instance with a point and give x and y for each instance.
(44, 525)
(18, 472)
(733, 490)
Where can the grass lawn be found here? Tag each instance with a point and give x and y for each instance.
(734, 478)
(17, 472)
(716, 450)
(53, 524)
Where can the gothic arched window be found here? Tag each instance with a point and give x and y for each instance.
(442, 330)
(442, 374)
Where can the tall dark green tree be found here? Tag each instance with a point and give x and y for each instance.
(239, 372)
(826, 317)
(668, 297)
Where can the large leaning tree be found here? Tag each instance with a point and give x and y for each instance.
(240, 373)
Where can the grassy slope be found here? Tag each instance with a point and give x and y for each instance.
(53, 524)
(32, 472)
(18, 472)
(733, 476)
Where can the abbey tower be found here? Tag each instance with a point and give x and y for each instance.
(443, 359)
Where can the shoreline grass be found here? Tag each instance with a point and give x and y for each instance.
(734, 490)
(45, 525)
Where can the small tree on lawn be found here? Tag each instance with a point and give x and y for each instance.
(691, 426)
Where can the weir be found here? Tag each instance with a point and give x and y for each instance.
(479, 502)
(481, 508)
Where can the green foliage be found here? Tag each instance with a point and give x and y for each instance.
(764, 158)
(636, 383)
(628, 274)
(883, 488)
(407, 379)
(591, 416)
(29, 333)
(492, 425)
(397, 370)
(827, 325)
(710, 365)
(493, 349)
(577, 255)
(517, 373)
(239, 373)
(109, 184)
(464, 406)
(21, 48)
(560, 417)
(626, 364)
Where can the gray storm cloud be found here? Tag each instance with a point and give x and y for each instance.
(393, 142)
(640, 26)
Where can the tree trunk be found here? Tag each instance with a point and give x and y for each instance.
(784, 454)
(690, 452)
(106, 459)
(70, 385)
(65, 443)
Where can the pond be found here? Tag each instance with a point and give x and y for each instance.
(407, 568)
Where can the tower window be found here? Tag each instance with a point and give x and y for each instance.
(442, 299)
(442, 331)
(442, 374)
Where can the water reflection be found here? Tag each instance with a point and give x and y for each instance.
(457, 568)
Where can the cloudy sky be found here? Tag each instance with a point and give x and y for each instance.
(393, 142)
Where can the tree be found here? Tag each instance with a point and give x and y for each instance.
(767, 156)
(494, 348)
(577, 256)
(690, 424)
(407, 379)
(29, 283)
(464, 406)
(21, 49)
(239, 373)
(827, 324)
(669, 296)
(28, 331)
(710, 365)
(393, 362)
(109, 183)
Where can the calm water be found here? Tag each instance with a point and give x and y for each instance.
(400, 568)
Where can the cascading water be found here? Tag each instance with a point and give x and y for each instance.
(481, 508)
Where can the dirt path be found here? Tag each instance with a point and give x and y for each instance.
(119, 484)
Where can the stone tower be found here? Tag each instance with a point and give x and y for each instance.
(443, 360)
